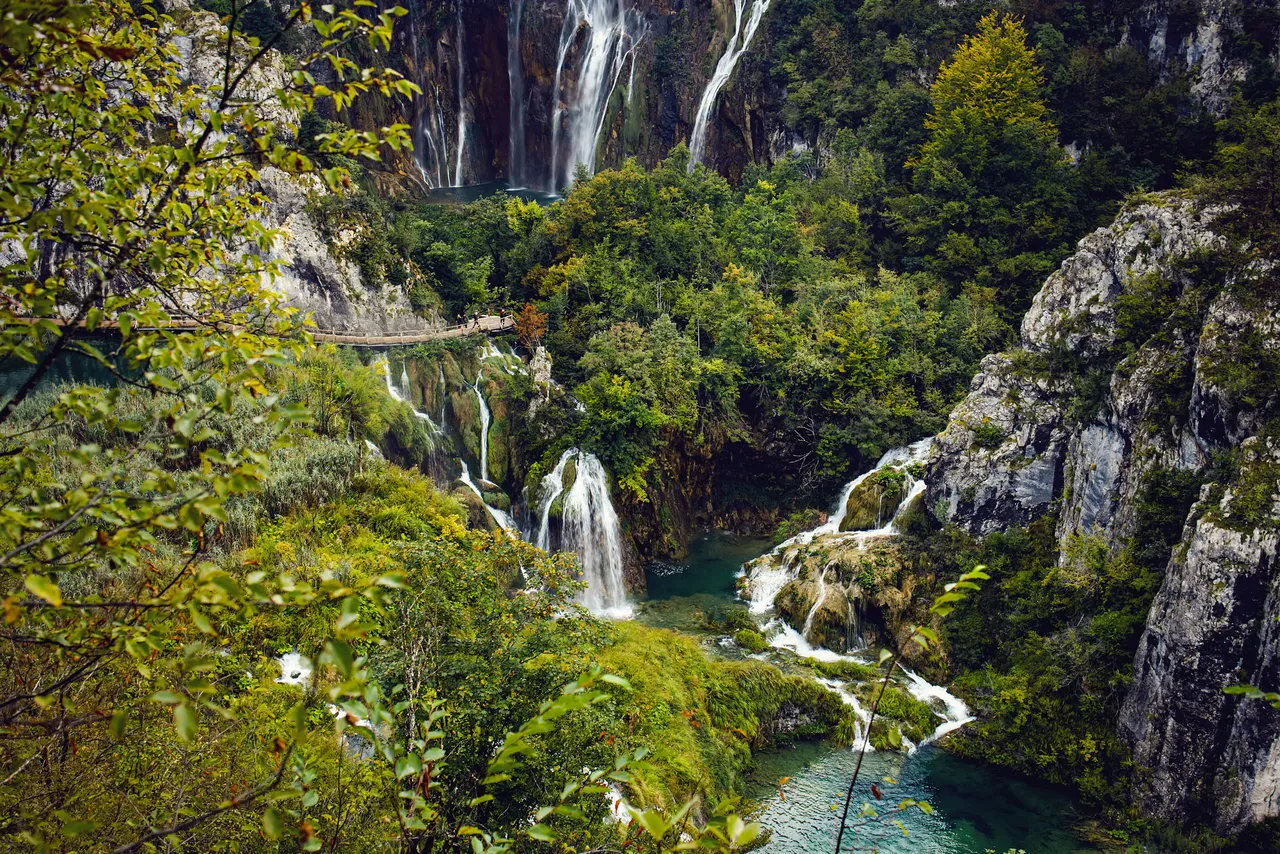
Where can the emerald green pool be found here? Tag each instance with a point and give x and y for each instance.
(976, 808)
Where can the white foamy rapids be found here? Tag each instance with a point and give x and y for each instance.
(295, 669)
(738, 43)
(772, 572)
(588, 68)
(851, 700)
(782, 636)
(955, 713)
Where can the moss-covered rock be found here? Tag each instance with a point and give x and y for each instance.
(750, 640)
(477, 515)
(873, 502)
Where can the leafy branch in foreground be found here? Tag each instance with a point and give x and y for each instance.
(922, 636)
(132, 221)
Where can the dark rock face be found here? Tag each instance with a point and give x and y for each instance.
(1032, 439)
(654, 97)
(1202, 753)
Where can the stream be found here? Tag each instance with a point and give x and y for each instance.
(977, 808)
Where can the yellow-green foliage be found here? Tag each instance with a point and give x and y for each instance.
(703, 717)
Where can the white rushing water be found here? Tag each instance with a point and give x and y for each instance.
(954, 714)
(586, 79)
(485, 418)
(403, 395)
(462, 99)
(768, 577)
(589, 528)
(515, 82)
(744, 30)
(551, 488)
(771, 573)
(502, 517)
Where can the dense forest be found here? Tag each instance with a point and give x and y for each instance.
(374, 379)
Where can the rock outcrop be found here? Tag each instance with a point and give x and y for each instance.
(1147, 353)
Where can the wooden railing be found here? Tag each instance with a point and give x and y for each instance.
(487, 324)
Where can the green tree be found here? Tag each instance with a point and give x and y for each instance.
(994, 194)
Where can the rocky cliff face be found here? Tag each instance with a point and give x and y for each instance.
(1142, 354)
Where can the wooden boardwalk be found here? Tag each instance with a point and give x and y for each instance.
(486, 324)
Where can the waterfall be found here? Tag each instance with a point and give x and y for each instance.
(515, 79)
(613, 32)
(733, 51)
(549, 490)
(590, 528)
(954, 714)
(502, 517)
(462, 100)
(484, 429)
(403, 395)
(770, 573)
(817, 603)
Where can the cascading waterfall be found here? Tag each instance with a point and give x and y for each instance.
(485, 418)
(613, 32)
(743, 33)
(462, 100)
(403, 395)
(771, 574)
(551, 488)
(590, 528)
(515, 80)
(502, 517)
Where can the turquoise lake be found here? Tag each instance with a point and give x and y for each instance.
(976, 808)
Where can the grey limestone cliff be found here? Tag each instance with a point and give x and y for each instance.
(1142, 354)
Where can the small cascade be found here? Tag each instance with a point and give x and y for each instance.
(589, 528)
(502, 517)
(772, 572)
(485, 418)
(850, 699)
(462, 99)
(954, 714)
(403, 395)
(585, 81)
(817, 602)
(743, 33)
(515, 80)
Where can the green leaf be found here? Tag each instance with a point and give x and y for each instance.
(119, 721)
(184, 720)
(45, 589)
(272, 823)
(341, 656)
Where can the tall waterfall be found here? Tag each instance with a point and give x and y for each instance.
(743, 33)
(462, 99)
(585, 80)
(485, 419)
(515, 79)
(590, 528)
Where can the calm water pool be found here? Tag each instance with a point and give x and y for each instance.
(976, 808)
